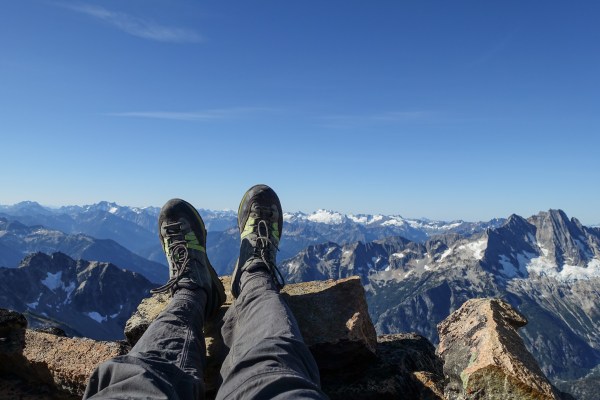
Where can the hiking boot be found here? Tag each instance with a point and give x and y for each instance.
(183, 238)
(260, 221)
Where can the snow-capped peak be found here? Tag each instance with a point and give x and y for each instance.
(326, 217)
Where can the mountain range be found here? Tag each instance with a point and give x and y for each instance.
(17, 240)
(135, 229)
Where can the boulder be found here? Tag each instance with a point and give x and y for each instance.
(406, 367)
(12, 334)
(334, 320)
(332, 315)
(484, 357)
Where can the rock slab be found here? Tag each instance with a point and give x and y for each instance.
(47, 359)
(484, 357)
(66, 362)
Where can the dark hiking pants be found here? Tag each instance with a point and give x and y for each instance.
(267, 356)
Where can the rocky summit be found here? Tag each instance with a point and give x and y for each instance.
(391, 366)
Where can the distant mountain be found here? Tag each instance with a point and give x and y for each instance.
(136, 228)
(548, 266)
(18, 240)
(84, 298)
(133, 228)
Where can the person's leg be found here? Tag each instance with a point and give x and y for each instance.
(267, 357)
(169, 359)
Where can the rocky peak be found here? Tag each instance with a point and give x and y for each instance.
(43, 262)
(508, 246)
(27, 207)
(104, 206)
(564, 240)
(516, 222)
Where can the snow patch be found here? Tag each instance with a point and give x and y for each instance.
(394, 221)
(69, 291)
(35, 303)
(326, 217)
(543, 266)
(293, 267)
(115, 315)
(575, 272)
(477, 248)
(414, 223)
(96, 316)
(329, 251)
(445, 254)
(398, 255)
(53, 281)
(508, 269)
(376, 218)
(362, 219)
(543, 250)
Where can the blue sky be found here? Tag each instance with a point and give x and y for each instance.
(447, 110)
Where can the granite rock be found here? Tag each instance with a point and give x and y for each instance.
(484, 357)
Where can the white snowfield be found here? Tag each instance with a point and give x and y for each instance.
(475, 249)
(335, 218)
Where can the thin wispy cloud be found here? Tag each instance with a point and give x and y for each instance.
(388, 117)
(136, 26)
(204, 115)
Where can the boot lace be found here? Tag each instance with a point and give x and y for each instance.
(179, 256)
(263, 242)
